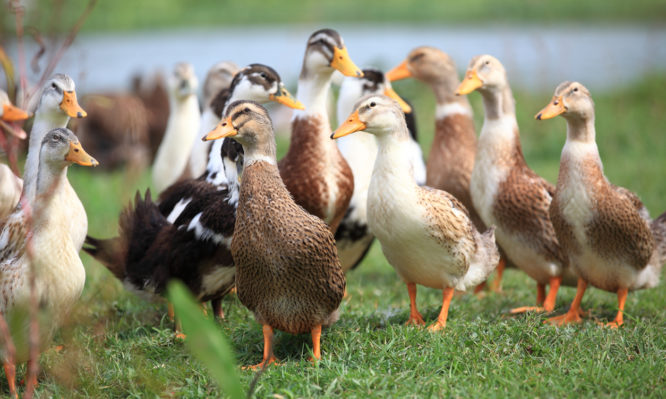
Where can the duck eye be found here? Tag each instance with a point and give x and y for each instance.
(488, 62)
(263, 75)
(246, 110)
(321, 41)
(372, 104)
(575, 89)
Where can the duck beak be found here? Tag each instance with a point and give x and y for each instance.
(351, 125)
(399, 72)
(470, 83)
(223, 129)
(554, 108)
(343, 63)
(11, 113)
(389, 92)
(78, 155)
(285, 98)
(71, 106)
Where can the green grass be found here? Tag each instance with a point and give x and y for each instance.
(164, 14)
(117, 345)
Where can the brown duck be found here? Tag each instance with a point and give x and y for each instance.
(287, 268)
(314, 170)
(507, 193)
(604, 229)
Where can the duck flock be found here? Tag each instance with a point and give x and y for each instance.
(284, 233)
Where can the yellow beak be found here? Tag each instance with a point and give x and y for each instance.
(351, 125)
(285, 98)
(554, 108)
(399, 72)
(11, 113)
(389, 92)
(71, 106)
(470, 83)
(78, 155)
(224, 129)
(343, 63)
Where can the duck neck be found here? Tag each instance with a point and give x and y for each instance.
(392, 160)
(44, 122)
(262, 151)
(313, 87)
(498, 103)
(216, 169)
(48, 182)
(581, 130)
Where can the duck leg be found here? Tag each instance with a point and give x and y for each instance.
(444, 313)
(541, 294)
(573, 315)
(217, 308)
(10, 373)
(621, 299)
(170, 312)
(496, 285)
(316, 338)
(546, 305)
(415, 317)
(269, 358)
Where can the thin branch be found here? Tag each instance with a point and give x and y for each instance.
(19, 11)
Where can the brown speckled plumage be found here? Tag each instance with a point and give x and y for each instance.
(658, 228)
(311, 165)
(451, 160)
(288, 272)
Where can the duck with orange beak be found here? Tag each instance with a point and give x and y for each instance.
(507, 193)
(604, 229)
(426, 234)
(314, 170)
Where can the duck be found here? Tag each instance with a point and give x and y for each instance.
(658, 228)
(187, 233)
(59, 275)
(426, 234)
(451, 159)
(507, 193)
(153, 93)
(287, 270)
(353, 238)
(57, 103)
(605, 229)
(218, 78)
(183, 125)
(314, 170)
(10, 184)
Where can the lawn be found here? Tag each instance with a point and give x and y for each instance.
(117, 345)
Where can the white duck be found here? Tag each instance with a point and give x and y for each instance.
(217, 80)
(182, 127)
(58, 271)
(10, 184)
(353, 238)
(57, 103)
(426, 234)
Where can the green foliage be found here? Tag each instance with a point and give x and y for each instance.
(205, 340)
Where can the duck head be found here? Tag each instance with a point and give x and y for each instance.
(60, 148)
(427, 64)
(572, 100)
(372, 82)
(485, 73)
(261, 83)
(325, 52)
(10, 112)
(183, 81)
(59, 95)
(376, 114)
(219, 77)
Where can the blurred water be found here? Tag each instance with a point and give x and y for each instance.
(536, 57)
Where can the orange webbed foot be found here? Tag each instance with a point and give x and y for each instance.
(180, 336)
(567, 318)
(271, 361)
(525, 309)
(415, 319)
(437, 326)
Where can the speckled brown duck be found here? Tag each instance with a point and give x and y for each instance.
(507, 193)
(314, 170)
(426, 234)
(605, 229)
(287, 268)
(451, 159)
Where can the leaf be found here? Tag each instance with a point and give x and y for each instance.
(205, 340)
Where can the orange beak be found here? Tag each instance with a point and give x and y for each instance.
(389, 92)
(351, 125)
(71, 106)
(285, 98)
(470, 83)
(554, 108)
(399, 72)
(223, 129)
(343, 63)
(11, 113)
(78, 155)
